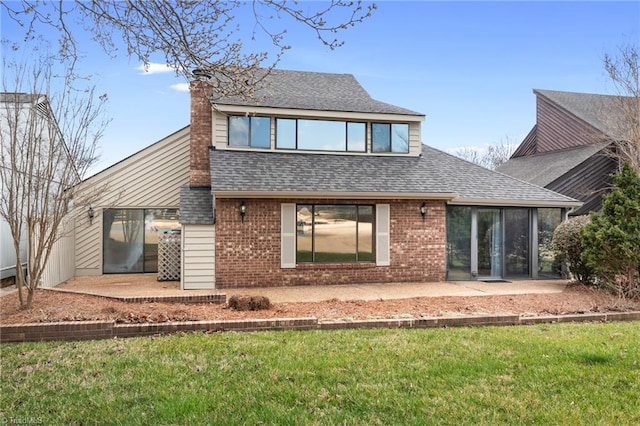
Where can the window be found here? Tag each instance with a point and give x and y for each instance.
(130, 238)
(334, 233)
(320, 135)
(388, 137)
(252, 132)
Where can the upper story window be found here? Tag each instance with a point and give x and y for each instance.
(252, 132)
(320, 135)
(389, 137)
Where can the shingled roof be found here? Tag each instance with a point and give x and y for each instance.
(315, 91)
(196, 206)
(434, 174)
(542, 169)
(603, 112)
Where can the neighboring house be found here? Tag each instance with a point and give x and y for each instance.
(30, 116)
(569, 150)
(313, 182)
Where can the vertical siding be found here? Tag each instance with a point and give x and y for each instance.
(150, 178)
(61, 265)
(559, 129)
(198, 257)
(529, 145)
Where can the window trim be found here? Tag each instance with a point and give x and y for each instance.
(250, 131)
(390, 126)
(373, 242)
(346, 139)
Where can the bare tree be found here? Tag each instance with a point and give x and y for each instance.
(490, 157)
(624, 72)
(49, 131)
(205, 35)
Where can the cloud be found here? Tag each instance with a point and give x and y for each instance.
(154, 68)
(180, 87)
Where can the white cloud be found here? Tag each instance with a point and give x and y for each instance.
(154, 68)
(180, 87)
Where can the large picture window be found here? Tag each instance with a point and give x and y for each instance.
(252, 132)
(320, 135)
(389, 137)
(334, 233)
(130, 242)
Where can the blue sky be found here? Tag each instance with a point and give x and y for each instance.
(470, 67)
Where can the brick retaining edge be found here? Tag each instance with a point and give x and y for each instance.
(94, 330)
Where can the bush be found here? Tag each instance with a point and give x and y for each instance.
(568, 247)
(611, 240)
(248, 303)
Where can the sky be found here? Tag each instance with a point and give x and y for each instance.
(469, 67)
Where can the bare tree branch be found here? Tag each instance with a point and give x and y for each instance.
(191, 34)
(49, 131)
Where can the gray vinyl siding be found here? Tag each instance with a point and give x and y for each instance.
(150, 178)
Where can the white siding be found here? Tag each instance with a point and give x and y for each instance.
(150, 178)
(61, 265)
(198, 257)
(8, 253)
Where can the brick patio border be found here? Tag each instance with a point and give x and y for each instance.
(94, 330)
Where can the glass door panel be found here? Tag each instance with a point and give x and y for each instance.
(123, 241)
(490, 243)
(516, 242)
(458, 243)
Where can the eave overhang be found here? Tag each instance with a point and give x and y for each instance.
(446, 196)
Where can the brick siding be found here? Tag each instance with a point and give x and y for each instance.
(248, 253)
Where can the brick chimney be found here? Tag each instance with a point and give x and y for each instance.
(201, 134)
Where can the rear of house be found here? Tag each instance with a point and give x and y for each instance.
(314, 182)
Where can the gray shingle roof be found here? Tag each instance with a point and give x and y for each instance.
(542, 169)
(196, 206)
(604, 112)
(434, 172)
(315, 91)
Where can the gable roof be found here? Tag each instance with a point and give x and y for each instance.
(315, 91)
(542, 169)
(433, 175)
(603, 112)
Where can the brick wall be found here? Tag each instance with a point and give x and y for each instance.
(248, 253)
(201, 136)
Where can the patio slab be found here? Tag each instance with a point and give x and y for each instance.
(146, 285)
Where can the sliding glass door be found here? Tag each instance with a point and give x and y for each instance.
(130, 238)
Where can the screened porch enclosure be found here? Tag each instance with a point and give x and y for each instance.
(488, 243)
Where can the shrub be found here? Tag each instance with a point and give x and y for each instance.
(611, 240)
(248, 303)
(568, 247)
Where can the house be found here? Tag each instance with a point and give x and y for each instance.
(569, 149)
(29, 117)
(312, 181)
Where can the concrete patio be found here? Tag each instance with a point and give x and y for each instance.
(144, 285)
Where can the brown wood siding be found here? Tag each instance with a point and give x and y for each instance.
(528, 145)
(559, 129)
(587, 182)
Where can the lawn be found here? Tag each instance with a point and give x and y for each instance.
(546, 374)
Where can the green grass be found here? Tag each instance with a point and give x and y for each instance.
(548, 374)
